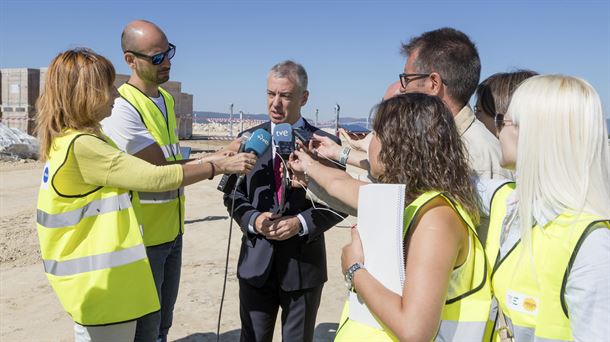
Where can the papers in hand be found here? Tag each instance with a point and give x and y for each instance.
(380, 224)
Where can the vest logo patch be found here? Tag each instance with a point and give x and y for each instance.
(44, 184)
(522, 302)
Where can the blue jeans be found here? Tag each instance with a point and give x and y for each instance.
(165, 262)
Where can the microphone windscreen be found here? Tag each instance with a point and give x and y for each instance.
(259, 142)
(283, 139)
(244, 139)
(282, 133)
(245, 136)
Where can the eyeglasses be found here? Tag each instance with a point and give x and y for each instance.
(499, 122)
(405, 79)
(158, 58)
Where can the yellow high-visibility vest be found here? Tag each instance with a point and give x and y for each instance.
(531, 292)
(498, 204)
(466, 310)
(162, 212)
(91, 245)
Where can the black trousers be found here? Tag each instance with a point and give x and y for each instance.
(258, 308)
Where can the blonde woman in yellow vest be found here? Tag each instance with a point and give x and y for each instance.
(549, 236)
(447, 294)
(90, 238)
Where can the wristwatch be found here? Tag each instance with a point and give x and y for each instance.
(344, 154)
(349, 275)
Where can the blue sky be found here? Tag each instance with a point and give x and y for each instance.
(351, 49)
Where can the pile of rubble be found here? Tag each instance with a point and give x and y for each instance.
(17, 145)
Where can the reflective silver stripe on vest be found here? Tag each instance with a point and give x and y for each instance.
(158, 197)
(525, 333)
(528, 334)
(176, 148)
(95, 262)
(94, 208)
(170, 150)
(166, 151)
(460, 331)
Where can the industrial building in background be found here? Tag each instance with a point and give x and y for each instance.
(20, 88)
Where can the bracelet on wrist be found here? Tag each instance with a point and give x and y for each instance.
(213, 170)
(349, 275)
(305, 168)
(344, 155)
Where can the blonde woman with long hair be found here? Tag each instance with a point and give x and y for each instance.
(549, 236)
(90, 239)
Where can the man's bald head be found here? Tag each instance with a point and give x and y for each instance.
(138, 33)
(393, 90)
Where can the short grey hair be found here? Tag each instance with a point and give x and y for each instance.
(292, 70)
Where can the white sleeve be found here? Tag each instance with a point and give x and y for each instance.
(486, 188)
(588, 288)
(126, 129)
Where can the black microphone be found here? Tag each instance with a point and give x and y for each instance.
(227, 182)
(303, 135)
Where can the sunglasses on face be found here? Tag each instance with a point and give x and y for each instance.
(158, 58)
(499, 122)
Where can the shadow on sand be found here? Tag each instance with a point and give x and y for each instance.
(324, 332)
(207, 218)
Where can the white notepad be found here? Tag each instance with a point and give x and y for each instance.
(380, 223)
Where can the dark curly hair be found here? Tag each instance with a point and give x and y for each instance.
(421, 148)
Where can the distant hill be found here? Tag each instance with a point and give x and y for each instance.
(201, 116)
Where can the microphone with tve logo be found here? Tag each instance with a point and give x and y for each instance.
(283, 139)
(258, 144)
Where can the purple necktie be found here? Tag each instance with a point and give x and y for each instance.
(277, 165)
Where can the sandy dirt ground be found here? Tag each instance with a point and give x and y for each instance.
(29, 310)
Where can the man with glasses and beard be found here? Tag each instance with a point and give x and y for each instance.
(445, 63)
(143, 123)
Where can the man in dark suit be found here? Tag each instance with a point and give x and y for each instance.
(282, 261)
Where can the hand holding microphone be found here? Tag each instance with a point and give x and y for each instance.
(238, 144)
(299, 163)
(216, 156)
(252, 144)
(360, 144)
(255, 146)
(325, 147)
(237, 164)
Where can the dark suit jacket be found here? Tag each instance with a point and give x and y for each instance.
(300, 261)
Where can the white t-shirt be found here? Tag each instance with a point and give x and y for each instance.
(125, 127)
